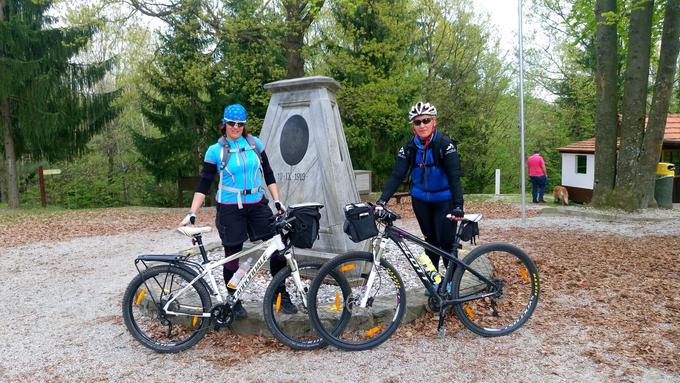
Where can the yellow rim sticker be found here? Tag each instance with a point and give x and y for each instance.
(348, 267)
(524, 274)
(469, 312)
(336, 306)
(277, 305)
(140, 296)
(195, 320)
(372, 331)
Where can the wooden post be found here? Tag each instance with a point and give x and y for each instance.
(43, 197)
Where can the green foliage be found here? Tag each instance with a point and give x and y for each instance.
(55, 107)
(87, 183)
(368, 49)
(181, 101)
(194, 75)
(465, 79)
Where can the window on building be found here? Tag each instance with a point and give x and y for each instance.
(581, 164)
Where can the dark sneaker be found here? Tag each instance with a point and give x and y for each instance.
(239, 311)
(286, 305)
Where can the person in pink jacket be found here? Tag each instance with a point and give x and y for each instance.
(538, 176)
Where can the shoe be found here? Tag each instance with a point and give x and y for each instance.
(239, 311)
(541, 201)
(287, 305)
(534, 201)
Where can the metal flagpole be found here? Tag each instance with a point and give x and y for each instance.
(521, 110)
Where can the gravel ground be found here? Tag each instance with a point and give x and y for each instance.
(68, 327)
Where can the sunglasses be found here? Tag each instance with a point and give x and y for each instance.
(423, 121)
(236, 124)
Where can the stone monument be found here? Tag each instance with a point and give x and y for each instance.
(306, 146)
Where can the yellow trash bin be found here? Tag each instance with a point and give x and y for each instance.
(663, 188)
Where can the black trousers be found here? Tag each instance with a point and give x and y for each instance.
(236, 225)
(438, 230)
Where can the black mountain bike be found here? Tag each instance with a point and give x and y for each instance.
(493, 290)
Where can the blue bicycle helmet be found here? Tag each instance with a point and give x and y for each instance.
(235, 112)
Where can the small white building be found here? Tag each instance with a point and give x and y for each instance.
(578, 162)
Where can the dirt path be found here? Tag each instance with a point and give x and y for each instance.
(609, 310)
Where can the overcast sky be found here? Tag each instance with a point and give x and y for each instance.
(503, 15)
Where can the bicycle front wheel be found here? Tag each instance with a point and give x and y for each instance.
(285, 311)
(514, 289)
(143, 313)
(371, 315)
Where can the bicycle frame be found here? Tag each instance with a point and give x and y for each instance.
(400, 237)
(270, 246)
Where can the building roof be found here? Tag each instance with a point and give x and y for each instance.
(671, 135)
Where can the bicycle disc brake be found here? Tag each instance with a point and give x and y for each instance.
(222, 315)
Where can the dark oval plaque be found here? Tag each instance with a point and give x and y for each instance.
(294, 140)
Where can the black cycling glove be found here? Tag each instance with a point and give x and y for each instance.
(458, 212)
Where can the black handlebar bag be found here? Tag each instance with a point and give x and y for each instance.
(469, 232)
(359, 222)
(305, 227)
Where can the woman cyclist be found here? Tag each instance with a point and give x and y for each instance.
(242, 208)
(432, 159)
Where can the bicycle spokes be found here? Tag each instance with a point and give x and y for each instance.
(161, 328)
(286, 310)
(510, 296)
(373, 306)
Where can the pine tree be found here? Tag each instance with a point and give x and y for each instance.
(182, 101)
(48, 105)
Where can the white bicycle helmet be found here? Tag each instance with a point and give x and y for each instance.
(422, 108)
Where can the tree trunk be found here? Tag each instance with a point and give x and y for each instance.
(3, 179)
(296, 64)
(606, 115)
(299, 16)
(10, 156)
(663, 87)
(634, 106)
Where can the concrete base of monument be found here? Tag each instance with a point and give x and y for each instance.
(254, 324)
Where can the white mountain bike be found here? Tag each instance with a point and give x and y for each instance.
(168, 306)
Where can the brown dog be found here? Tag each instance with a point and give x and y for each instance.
(561, 195)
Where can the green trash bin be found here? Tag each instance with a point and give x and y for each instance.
(663, 188)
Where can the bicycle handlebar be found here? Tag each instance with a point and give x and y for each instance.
(283, 222)
(385, 215)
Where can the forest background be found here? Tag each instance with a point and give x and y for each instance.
(163, 85)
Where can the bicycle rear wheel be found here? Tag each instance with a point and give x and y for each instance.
(330, 304)
(143, 313)
(515, 279)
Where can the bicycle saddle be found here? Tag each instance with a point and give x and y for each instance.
(472, 217)
(191, 231)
